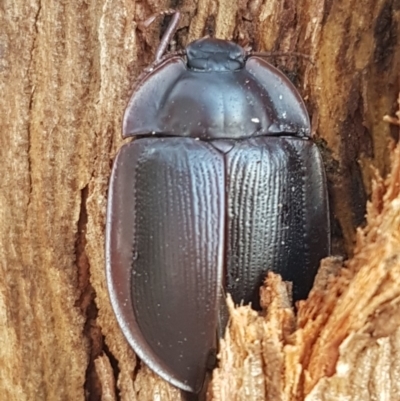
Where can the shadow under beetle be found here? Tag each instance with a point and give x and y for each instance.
(222, 185)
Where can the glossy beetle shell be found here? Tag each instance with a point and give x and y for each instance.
(226, 186)
(207, 104)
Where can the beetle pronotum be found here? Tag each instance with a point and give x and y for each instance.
(222, 185)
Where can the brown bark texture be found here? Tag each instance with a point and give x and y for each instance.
(66, 73)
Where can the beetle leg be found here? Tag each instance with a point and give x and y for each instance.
(168, 34)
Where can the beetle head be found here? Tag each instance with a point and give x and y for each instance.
(209, 54)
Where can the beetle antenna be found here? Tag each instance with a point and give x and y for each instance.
(280, 54)
(168, 34)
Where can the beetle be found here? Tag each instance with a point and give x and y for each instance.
(221, 184)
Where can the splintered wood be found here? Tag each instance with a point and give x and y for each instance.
(344, 342)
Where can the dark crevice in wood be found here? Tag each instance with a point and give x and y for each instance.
(209, 26)
(385, 34)
(91, 331)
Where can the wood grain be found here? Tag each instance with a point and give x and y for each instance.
(66, 71)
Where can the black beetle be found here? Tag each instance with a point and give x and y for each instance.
(222, 185)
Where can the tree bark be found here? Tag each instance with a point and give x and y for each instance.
(66, 72)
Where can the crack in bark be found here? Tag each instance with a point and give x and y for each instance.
(86, 303)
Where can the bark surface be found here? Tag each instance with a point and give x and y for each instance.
(66, 73)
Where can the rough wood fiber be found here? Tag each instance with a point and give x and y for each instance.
(66, 69)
